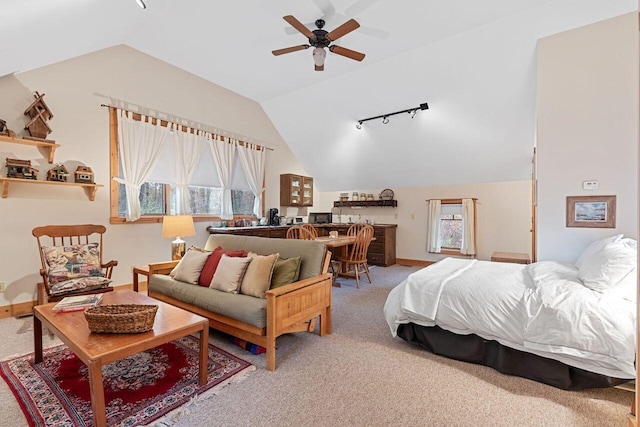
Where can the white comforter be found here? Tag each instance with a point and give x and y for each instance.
(542, 308)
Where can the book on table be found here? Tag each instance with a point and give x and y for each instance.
(76, 303)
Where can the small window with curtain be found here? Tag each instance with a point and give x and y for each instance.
(451, 227)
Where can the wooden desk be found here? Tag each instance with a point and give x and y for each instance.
(97, 350)
(140, 269)
(512, 257)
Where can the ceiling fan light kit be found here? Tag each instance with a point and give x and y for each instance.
(385, 117)
(320, 39)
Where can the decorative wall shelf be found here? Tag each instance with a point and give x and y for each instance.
(365, 203)
(90, 189)
(50, 146)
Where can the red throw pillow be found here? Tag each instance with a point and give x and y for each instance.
(211, 265)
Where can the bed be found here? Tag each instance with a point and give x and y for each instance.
(569, 326)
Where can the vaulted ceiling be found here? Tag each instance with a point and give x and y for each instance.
(473, 62)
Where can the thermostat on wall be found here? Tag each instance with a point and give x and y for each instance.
(590, 185)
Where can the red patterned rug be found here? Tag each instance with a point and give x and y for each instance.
(138, 390)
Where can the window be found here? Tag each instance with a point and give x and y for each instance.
(451, 227)
(158, 196)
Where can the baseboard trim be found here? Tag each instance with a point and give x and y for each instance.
(414, 262)
(26, 308)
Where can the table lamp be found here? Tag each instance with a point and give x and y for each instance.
(178, 226)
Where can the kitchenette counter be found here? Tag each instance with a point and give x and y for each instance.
(382, 251)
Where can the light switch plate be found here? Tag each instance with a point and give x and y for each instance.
(590, 185)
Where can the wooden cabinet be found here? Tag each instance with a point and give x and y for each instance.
(296, 190)
(271, 232)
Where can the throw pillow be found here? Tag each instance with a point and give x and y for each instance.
(211, 265)
(81, 284)
(608, 267)
(257, 279)
(594, 248)
(286, 270)
(189, 268)
(229, 274)
(72, 262)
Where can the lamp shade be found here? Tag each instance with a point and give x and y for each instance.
(178, 226)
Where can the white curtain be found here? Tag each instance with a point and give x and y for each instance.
(433, 226)
(140, 144)
(187, 150)
(224, 153)
(468, 228)
(252, 161)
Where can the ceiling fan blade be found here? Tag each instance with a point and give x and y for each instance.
(347, 52)
(299, 26)
(343, 29)
(319, 67)
(289, 49)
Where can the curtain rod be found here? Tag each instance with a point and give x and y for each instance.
(206, 128)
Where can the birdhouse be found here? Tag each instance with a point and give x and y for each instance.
(22, 169)
(58, 173)
(84, 175)
(40, 114)
(4, 130)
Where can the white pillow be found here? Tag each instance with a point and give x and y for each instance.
(627, 288)
(595, 247)
(189, 268)
(229, 274)
(608, 267)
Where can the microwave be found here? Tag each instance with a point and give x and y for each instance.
(320, 218)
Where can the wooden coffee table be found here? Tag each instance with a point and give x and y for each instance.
(97, 350)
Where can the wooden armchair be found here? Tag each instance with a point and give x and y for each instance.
(356, 258)
(61, 235)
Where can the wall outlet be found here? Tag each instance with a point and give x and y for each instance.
(1, 287)
(590, 185)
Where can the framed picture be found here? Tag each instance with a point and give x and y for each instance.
(591, 211)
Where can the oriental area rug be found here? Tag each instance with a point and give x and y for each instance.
(159, 383)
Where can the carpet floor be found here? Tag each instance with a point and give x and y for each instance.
(139, 389)
(361, 376)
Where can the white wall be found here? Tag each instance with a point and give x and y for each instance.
(587, 129)
(81, 126)
(503, 216)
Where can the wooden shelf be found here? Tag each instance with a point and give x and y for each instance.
(51, 146)
(365, 203)
(90, 189)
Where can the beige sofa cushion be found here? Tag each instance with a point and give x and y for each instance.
(257, 279)
(229, 274)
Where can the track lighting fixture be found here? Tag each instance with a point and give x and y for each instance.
(385, 117)
(141, 4)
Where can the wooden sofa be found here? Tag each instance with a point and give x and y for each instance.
(289, 308)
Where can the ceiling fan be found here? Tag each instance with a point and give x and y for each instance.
(320, 39)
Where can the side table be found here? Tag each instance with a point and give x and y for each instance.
(512, 257)
(139, 270)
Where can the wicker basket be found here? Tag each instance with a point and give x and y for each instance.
(121, 318)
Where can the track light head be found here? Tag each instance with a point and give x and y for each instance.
(413, 114)
(359, 125)
(385, 120)
(141, 4)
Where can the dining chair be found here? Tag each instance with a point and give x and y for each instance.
(299, 232)
(354, 228)
(356, 258)
(311, 229)
(72, 252)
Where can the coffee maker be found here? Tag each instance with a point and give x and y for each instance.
(273, 217)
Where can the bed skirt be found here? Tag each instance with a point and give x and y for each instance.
(474, 349)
